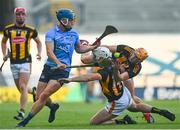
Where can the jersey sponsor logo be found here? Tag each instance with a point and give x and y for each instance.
(18, 40)
(64, 48)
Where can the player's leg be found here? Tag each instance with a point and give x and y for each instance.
(113, 109)
(21, 111)
(52, 106)
(15, 69)
(130, 85)
(24, 75)
(139, 107)
(142, 107)
(22, 87)
(51, 88)
(105, 116)
(23, 81)
(102, 117)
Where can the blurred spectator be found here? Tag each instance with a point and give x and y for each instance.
(90, 90)
(83, 85)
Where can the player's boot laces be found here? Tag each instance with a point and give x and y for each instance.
(168, 115)
(53, 112)
(34, 93)
(20, 116)
(129, 120)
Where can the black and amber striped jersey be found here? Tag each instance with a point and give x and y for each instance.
(111, 88)
(19, 38)
(125, 51)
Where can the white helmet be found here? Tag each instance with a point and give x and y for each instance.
(103, 56)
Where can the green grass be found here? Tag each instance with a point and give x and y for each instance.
(77, 116)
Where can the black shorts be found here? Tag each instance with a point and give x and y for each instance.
(47, 74)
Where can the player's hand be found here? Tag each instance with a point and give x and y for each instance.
(84, 42)
(117, 65)
(63, 80)
(38, 57)
(96, 44)
(5, 57)
(61, 66)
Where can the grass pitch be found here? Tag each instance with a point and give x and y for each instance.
(77, 116)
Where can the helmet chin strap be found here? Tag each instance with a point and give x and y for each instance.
(66, 27)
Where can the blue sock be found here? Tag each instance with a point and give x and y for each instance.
(28, 118)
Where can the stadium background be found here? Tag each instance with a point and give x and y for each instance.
(152, 24)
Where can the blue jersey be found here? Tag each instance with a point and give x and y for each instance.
(64, 45)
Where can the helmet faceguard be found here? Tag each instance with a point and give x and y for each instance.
(102, 56)
(66, 18)
(139, 55)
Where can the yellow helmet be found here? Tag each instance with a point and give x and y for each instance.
(141, 54)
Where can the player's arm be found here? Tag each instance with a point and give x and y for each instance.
(120, 72)
(39, 47)
(49, 40)
(121, 76)
(83, 48)
(3, 44)
(4, 47)
(82, 78)
(51, 55)
(38, 42)
(87, 58)
(130, 85)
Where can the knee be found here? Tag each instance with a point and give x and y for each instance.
(23, 88)
(43, 96)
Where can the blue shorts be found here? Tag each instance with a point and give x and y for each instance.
(47, 74)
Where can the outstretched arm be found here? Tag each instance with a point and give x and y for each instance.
(86, 48)
(82, 78)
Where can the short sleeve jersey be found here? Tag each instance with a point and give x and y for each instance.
(64, 45)
(19, 38)
(111, 88)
